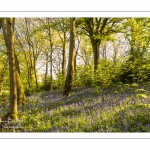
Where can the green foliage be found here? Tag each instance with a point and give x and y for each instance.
(136, 71)
(141, 96)
(134, 85)
(60, 81)
(135, 118)
(84, 76)
(106, 75)
(136, 66)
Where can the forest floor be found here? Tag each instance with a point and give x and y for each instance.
(123, 108)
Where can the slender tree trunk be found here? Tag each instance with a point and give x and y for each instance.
(51, 54)
(28, 69)
(64, 58)
(31, 56)
(29, 76)
(8, 32)
(64, 55)
(104, 54)
(34, 66)
(75, 57)
(51, 69)
(35, 75)
(46, 70)
(69, 78)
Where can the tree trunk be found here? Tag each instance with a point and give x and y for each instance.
(46, 70)
(51, 68)
(20, 91)
(75, 58)
(21, 99)
(8, 32)
(51, 53)
(69, 78)
(64, 58)
(95, 46)
(35, 75)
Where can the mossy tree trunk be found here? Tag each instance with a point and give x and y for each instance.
(21, 99)
(8, 32)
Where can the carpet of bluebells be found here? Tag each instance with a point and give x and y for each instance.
(122, 108)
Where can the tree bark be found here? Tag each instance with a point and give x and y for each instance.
(51, 53)
(75, 57)
(95, 47)
(46, 69)
(51, 68)
(64, 57)
(21, 99)
(70, 72)
(8, 32)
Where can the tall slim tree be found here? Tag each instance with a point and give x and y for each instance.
(51, 52)
(70, 71)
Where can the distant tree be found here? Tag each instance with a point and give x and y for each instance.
(62, 27)
(48, 20)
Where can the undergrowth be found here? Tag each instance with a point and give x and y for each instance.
(122, 108)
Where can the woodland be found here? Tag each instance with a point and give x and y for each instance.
(75, 74)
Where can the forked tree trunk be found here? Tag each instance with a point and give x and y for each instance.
(69, 78)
